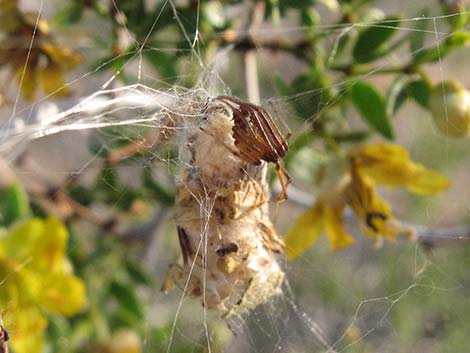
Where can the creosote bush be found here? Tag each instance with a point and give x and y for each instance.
(188, 185)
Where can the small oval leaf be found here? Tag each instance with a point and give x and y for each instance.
(417, 37)
(370, 104)
(127, 298)
(14, 204)
(396, 95)
(371, 42)
(420, 91)
(164, 63)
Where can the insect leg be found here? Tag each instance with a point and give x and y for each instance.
(284, 179)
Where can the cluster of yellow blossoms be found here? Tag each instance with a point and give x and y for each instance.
(350, 181)
(36, 280)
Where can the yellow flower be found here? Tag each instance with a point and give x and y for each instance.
(47, 61)
(350, 181)
(36, 281)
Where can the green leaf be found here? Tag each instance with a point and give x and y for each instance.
(70, 14)
(371, 42)
(430, 55)
(370, 104)
(138, 274)
(299, 4)
(420, 91)
(164, 63)
(457, 17)
(458, 39)
(82, 194)
(302, 140)
(126, 297)
(14, 204)
(417, 37)
(396, 95)
(351, 137)
(134, 12)
(282, 86)
(109, 180)
(310, 19)
(306, 105)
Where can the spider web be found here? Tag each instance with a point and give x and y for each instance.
(358, 300)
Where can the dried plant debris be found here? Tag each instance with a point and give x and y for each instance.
(227, 239)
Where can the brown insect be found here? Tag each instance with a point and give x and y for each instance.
(258, 138)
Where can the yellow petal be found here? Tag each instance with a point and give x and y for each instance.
(62, 56)
(41, 244)
(374, 214)
(306, 230)
(28, 81)
(389, 164)
(62, 293)
(49, 252)
(52, 80)
(385, 163)
(20, 286)
(20, 243)
(26, 327)
(427, 181)
(337, 235)
(379, 152)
